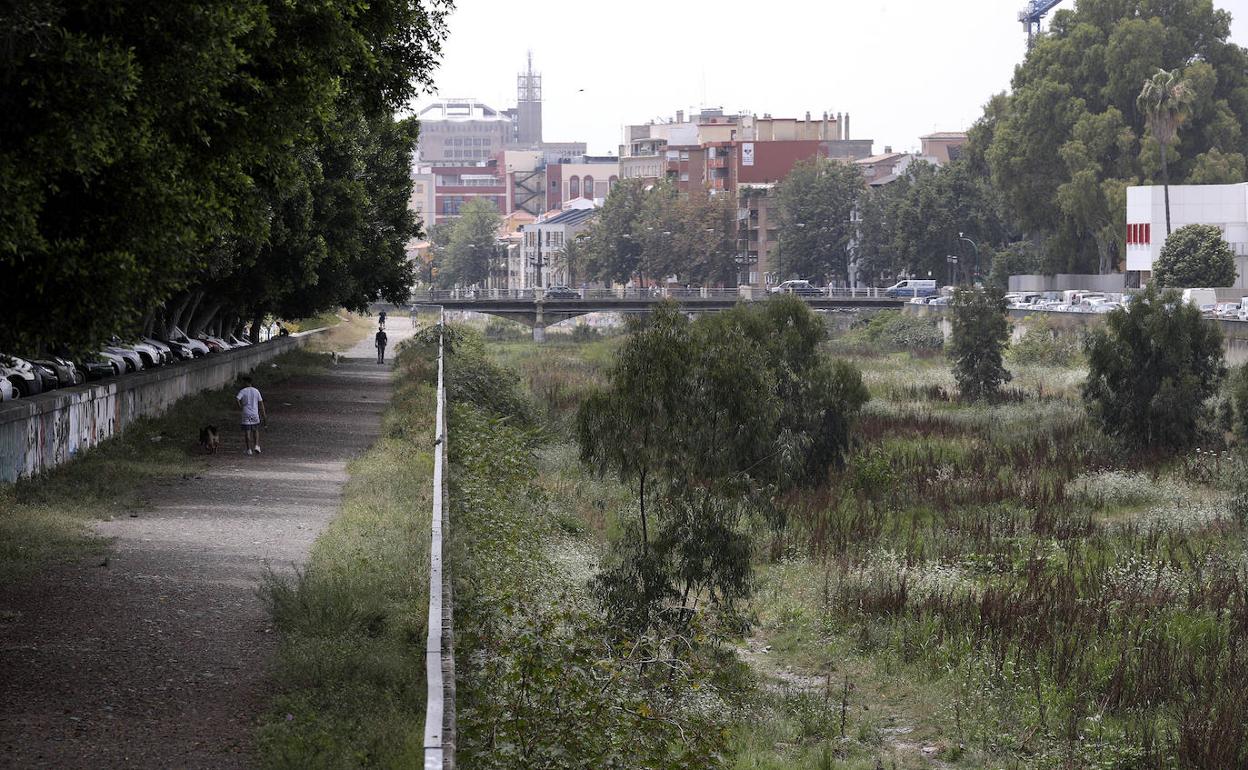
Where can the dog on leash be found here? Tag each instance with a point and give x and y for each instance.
(209, 439)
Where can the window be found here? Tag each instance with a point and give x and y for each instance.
(574, 187)
(589, 186)
(684, 177)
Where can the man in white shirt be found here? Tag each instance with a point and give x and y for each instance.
(252, 404)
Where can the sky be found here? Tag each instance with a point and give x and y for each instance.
(900, 68)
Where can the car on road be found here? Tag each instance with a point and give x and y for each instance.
(562, 292)
(912, 288)
(798, 287)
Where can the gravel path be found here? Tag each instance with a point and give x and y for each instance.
(159, 657)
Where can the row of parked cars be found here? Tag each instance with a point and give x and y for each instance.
(1078, 301)
(25, 376)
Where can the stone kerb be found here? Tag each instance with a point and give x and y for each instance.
(44, 431)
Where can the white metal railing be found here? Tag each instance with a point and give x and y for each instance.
(435, 697)
(685, 293)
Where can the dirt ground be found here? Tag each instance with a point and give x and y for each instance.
(158, 656)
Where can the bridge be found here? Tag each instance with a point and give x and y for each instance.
(539, 308)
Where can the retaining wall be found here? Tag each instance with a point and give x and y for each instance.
(44, 431)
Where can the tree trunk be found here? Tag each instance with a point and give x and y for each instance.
(1165, 183)
(172, 314)
(645, 533)
(257, 319)
(203, 317)
(184, 319)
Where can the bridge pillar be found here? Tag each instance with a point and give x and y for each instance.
(539, 325)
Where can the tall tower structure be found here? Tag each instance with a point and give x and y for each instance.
(529, 106)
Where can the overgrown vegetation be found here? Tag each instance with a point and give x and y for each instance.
(350, 668)
(982, 584)
(890, 331)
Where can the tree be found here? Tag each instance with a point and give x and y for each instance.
(614, 246)
(980, 333)
(1075, 99)
(1151, 368)
(1194, 256)
(710, 421)
(153, 153)
(1165, 101)
(473, 246)
(817, 201)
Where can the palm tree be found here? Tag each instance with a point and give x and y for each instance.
(1165, 101)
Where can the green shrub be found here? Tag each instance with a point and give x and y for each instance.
(894, 330)
(1152, 367)
(1238, 403)
(1044, 344)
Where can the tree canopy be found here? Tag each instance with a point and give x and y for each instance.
(1075, 100)
(1195, 256)
(472, 249)
(817, 203)
(980, 333)
(241, 155)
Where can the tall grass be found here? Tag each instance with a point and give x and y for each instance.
(351, 664)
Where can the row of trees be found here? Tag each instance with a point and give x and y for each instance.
(204, 162)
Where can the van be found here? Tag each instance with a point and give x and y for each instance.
(1200, 297)
(911, 288)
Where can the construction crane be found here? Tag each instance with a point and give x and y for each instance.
(1030, 16)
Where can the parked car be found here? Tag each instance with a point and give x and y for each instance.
(167, 354)
(198, 348)
(96, 366)
(939, 301)
(1243, 312)
(22, 375)
(562, 292)
(148, 354)
(238, 342)
(67, 375)
(133, 360)
(7, 391)
(798, 287)
(1226, 310)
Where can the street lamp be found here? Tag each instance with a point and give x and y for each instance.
(975, 273)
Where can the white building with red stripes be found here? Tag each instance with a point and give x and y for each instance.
(1222, 205)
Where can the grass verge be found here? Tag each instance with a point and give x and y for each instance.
(45, 520)
(351, 664)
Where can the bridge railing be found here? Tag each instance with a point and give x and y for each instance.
(683, 293)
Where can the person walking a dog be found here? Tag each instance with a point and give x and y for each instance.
(381, 346)
(252, 404)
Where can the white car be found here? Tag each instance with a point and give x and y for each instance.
(1243, 314)
(7, 391)
(1227, 310)
(21, 375)
(198, 347)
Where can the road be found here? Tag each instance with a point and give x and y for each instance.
(160, 657)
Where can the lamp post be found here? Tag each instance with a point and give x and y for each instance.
(975, 272)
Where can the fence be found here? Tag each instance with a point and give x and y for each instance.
(439, 645)
(630, 293)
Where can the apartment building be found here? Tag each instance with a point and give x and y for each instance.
(1224, 206)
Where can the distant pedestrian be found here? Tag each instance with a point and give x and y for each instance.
(381, 319)
(252, 404)
(381, 346)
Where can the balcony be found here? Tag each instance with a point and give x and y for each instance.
(717, 163)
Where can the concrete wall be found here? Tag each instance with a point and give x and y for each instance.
(1111, 282)
(44, 431)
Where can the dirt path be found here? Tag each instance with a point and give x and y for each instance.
(159, 657)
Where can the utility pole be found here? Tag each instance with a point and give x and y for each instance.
(975, 273)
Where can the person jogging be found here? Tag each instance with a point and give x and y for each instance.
(381, 346)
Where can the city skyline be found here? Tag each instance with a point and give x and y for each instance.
(899, 68)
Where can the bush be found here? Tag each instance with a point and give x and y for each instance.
(1152, 367)
(502, 330)
(1238, 402)
(894, 330)
(1044, 344)
(1195, 255)
(980, 331)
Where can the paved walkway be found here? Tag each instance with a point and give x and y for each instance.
(160, 658)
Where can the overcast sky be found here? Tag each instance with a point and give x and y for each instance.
(901, 68)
